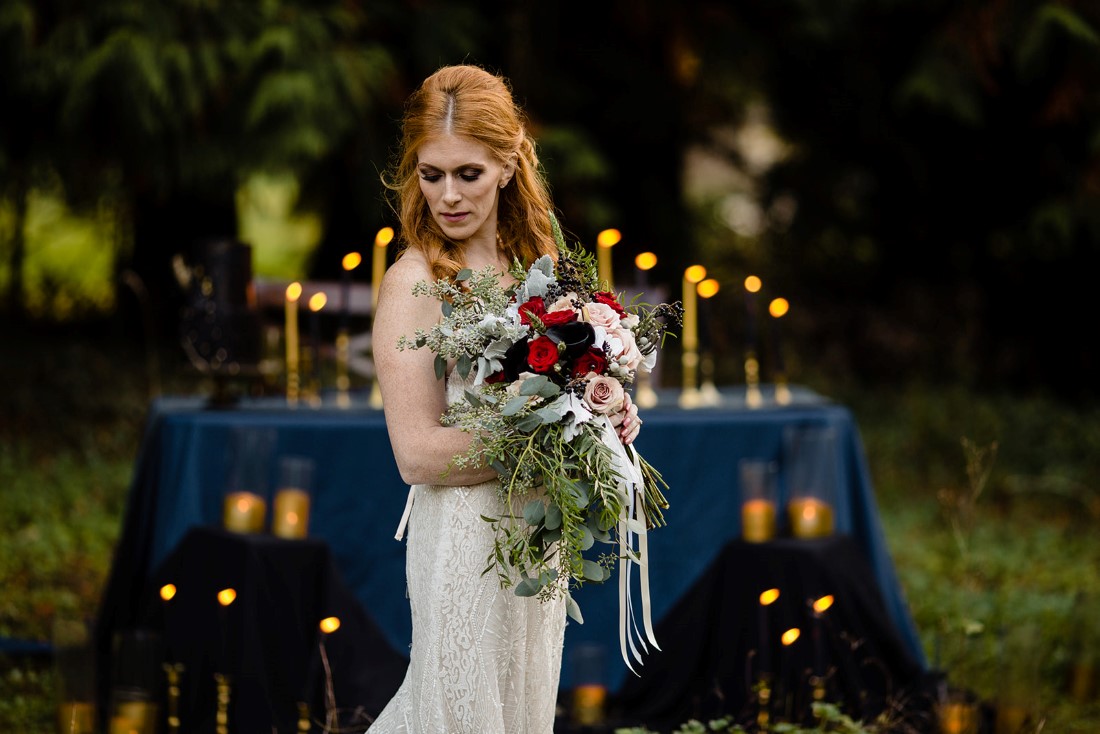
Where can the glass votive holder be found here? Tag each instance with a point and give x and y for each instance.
(292, 498)
(244, 512)
(758, 499)
(590, 689)
(811, 456)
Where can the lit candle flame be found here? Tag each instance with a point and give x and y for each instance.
(769, 597)
(294, 292)
(330, 625)
(695, 273)
(351, 260)
(167, 592)
(384, 237)
(645, 261)
(790, 636)
(823, 603)
(707, 288)
(753, 284)
(227, 597)
(778, 307)
(317, 301)
(291, 518)
(609, 238)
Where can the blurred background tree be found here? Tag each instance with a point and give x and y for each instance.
(920, 179)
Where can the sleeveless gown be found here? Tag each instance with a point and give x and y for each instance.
(483, 660)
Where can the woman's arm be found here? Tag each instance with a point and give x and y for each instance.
(412, 397)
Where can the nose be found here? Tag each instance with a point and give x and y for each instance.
(451, 195)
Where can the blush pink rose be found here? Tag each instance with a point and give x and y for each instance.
(629, 355)
(604, 395)
(600, 314)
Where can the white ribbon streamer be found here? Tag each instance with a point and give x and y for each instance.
(405, 515)
(626, 464)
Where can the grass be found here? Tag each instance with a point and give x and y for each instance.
(989, 502)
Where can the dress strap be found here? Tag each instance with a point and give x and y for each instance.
(405, 514)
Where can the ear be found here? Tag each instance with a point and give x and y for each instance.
(508, 170)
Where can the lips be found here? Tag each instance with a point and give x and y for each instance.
(455, 217)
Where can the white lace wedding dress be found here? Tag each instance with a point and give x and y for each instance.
(483, 660)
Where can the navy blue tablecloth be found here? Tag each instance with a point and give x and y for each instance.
(358, 497)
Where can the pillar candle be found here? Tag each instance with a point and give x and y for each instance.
(378, 265)
(244, 512)
(810, 518)
(350, 262)
(293, 293)
(291, 518)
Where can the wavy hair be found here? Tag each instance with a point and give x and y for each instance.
(467, 100)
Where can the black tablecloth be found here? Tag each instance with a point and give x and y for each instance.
(268, 639)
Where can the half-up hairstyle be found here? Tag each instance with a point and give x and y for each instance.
(469, 101)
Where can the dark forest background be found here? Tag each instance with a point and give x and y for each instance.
(935, 216)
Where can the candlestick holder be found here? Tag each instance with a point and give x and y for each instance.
(689, 395)
(173, 672)
(303, 718)
(708, 391)
(763, 701)
(782, 391)
(753, 397)
(225, 693)
(644, 394)
(343, 380)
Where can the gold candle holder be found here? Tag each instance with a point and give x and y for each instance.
(763, 701)
(303, 718)
(605, 240)
(753, 397)
(689, 395)
(173, 671)
(225, 692)
(378, 269)
(76, 717)
(244, 512)
(135, 717)
(810, 518)
(343, 380)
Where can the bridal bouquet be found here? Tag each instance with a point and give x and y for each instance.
(552, 358)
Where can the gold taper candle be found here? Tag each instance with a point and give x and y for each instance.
(689, 395)
(76, 717)
(605, 240)
(378, 266)
(778, 308)
(381, 242)
(293, 379)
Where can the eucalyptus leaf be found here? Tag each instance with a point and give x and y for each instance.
(463, 274)
(447, 308)
(498, 467)
(587, 539)
(593, 571)
(464, 365)
(534, 512)
(549, 390)
(529, 422)
(551, 536)
(514, 405)
(573, 610)
(528, 587)
(553, 517)
(532, 385)
(440, 367)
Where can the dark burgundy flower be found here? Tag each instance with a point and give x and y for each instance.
(575, 337)
(594, 360)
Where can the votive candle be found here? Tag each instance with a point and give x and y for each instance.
(810, 518)
(244, 512)
(291, 518)
(757, 520)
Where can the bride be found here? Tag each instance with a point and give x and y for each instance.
(470, 194)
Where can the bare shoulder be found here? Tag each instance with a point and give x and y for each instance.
(398, 308)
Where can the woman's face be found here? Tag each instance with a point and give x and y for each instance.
(461, 180)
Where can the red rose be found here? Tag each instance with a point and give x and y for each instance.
(532, 307)
(608, 299)
(556, 318)
(594, 360)
(498, 376)
(542, 354)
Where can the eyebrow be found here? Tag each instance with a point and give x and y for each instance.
(464, 166)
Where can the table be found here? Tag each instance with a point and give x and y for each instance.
(184, 463)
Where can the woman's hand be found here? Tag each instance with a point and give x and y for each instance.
(631, 423)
